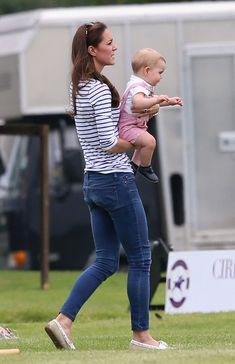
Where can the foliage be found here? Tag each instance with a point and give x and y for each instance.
(13, 6)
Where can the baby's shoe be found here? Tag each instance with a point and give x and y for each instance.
(148, 173)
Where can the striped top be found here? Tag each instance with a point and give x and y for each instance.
(97, 128)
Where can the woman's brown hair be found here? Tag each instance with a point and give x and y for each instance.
(83, 65)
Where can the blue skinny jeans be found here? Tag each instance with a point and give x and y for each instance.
(117, 216)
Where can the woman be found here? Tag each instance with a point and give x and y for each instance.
(117, 214)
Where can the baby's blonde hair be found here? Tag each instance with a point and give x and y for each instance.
(146, 57)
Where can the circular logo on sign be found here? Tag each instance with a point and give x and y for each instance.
(178, 283)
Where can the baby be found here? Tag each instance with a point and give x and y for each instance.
(148, 66)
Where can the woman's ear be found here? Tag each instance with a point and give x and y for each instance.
(91, 51)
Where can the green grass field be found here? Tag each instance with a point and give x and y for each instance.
(102, 330)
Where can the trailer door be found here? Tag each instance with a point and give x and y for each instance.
(209, 148)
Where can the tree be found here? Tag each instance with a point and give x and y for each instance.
(14, 6)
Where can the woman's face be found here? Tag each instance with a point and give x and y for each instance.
(103, 54)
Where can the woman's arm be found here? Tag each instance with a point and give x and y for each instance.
(121, 146)
(151, 111)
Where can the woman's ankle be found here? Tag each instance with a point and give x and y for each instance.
(141, 336)
(65, 322)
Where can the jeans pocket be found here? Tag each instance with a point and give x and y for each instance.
(103, 197)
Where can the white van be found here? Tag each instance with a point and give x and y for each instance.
(193, 207)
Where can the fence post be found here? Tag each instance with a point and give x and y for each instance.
(44, 208)
(41, 131)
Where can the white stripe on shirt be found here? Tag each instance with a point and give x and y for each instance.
(97, 128)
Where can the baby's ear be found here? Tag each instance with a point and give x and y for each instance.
(146, 70)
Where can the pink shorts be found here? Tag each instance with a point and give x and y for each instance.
(131, 134)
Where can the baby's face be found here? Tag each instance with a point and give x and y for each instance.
(155, 72)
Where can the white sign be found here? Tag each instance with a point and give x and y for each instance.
(200, 281)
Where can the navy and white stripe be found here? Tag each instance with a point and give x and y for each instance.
(97, 128)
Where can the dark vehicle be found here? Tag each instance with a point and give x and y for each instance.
(70, 235)
(71, 243)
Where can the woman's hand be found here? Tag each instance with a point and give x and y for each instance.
(153, 110)
(122, 146)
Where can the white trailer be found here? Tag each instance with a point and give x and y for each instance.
(196, 143)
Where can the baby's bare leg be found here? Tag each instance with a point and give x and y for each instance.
(136, 157)
(145, 145)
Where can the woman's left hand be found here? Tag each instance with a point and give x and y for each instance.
(153, 110)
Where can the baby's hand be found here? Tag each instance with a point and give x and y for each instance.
(175, 101)
(162, 98)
